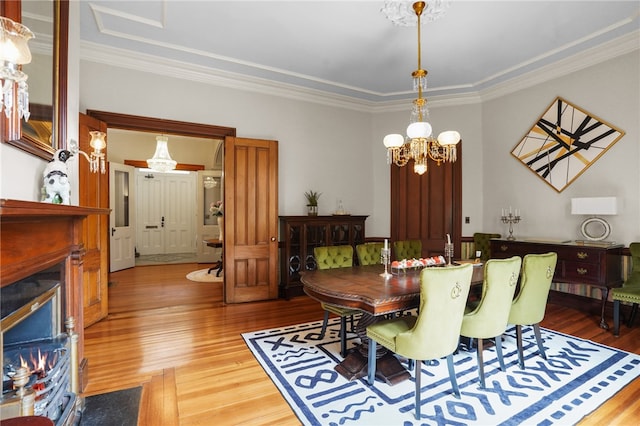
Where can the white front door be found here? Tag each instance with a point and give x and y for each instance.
(165, 212)
(122, 221)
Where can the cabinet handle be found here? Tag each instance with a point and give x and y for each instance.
(581, 271)
(504, 248)
(582, 255)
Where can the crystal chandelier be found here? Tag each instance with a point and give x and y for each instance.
(14, 52)
(419, 145)
(161, 161)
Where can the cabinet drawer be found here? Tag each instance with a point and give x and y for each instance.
(579, 254)
(581, 272)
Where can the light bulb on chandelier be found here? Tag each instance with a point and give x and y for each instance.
(419, 145)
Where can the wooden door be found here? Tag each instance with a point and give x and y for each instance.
(250, 219)
(94, 192)
(122, 219)
(428, 207)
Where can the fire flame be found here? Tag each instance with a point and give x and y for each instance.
(39, 364)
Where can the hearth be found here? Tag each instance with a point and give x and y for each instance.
(41, 275)
(38, 358)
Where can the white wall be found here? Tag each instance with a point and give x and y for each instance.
(339, 151)
(611, 92)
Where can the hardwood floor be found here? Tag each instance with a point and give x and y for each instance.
(177, 338)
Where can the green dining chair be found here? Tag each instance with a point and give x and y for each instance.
(629, 292)
(530, 304)
(369, 253)
(407, 249)
(331, 257)
(482, 243)
(434, 333)
(487, 318)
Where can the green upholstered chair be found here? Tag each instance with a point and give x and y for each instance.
(630, 290)
(369, 253)
(407, 249)
(482, 243)
(530, 304)
(443, 294)
(487, 318)
(331, 257)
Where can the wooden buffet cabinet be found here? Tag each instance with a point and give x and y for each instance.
(300, 234)
(578, 263)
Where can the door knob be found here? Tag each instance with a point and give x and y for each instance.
(113, 231)
(273, 238)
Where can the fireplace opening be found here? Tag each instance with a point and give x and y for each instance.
(36, 353)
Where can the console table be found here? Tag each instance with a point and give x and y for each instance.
(594, 264)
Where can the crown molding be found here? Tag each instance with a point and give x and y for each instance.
(126, 59)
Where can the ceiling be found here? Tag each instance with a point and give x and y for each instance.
(349, 50)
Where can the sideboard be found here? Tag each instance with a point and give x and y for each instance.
(299, 235)
(594, 264)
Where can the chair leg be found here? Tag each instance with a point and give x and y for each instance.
(343, 336)
(372, 362)
(324, 324)
(632, 317)
(498, 340)
(452, 376)
(536, 331)
(616, 317)
(418, 375)
(519, 343)
(480, 362)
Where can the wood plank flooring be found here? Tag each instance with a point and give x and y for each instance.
(178, 339)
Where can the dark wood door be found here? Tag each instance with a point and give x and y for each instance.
(94, 192)
(428, 207)
(250, 219)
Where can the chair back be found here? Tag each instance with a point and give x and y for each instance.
(407, 249)
(443, 296)
(531, 302)
(331, 257)
(369, 253)
(489, 318)
(482, 243)
(634, 278)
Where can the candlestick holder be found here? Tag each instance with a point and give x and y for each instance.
(448, 252)
(385, 259)
(510, 218)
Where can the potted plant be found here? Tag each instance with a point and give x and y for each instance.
(312, 202)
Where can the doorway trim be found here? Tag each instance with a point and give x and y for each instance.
(158, 125)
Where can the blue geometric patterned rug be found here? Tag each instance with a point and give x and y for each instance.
(577, 378)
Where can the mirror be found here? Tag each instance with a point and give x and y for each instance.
(42, 135)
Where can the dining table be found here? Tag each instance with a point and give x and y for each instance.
(377, 295)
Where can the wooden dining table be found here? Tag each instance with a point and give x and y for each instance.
(365, 288)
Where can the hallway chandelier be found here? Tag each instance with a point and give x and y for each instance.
(419, 145)
(162, 161)
(14, 52)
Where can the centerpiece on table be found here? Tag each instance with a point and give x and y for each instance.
(216, 210)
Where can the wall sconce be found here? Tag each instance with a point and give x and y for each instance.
(14, 52)
(96, 157)
(162, 161)
(595, 228)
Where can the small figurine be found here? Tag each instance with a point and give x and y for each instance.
(56, 187)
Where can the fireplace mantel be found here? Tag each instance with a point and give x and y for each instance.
(35, 236)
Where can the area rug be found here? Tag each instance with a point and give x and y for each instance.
(112, 408)
(577, 378)
(203, 276)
